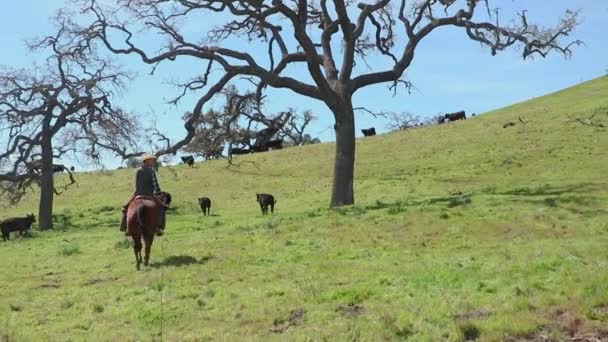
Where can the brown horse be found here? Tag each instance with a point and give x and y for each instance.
(142, 220)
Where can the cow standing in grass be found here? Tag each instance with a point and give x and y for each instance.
(188, 160)
(205, 204)
(266, 200)
(368, 132)
(455, 116)
(16, 224)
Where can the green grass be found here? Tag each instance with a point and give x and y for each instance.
(466, 230)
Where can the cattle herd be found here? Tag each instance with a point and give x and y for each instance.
(23, 224)
(266, 201)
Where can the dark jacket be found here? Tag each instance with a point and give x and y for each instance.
(145, 182)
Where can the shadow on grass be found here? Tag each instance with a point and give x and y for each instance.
(402, 205)
(549, 190)
(181, 260)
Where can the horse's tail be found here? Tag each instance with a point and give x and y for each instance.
(141, 217)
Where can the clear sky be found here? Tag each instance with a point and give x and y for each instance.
(449, 72)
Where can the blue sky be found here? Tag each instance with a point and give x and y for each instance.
(449, 72)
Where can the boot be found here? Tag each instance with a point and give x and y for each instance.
(160, 228)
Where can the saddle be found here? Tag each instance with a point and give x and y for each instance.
(156, 199)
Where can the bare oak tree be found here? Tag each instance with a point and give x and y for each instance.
(402, 121)
(293, 132)
(62, 107)
(328, 38)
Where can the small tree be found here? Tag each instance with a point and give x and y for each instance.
(210, 136)
(59, 108)
(242, 123)
(327, 38)
(401, 121)
(294, 130)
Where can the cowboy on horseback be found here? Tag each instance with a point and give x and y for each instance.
(146, 184)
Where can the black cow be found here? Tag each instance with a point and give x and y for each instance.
(369, 131)
(167, 197)
(205, 204)
(455, 116)
(236, 150)
(59, 168)
(188, 160)
(275, 144)
(266, 200)
(16, 224)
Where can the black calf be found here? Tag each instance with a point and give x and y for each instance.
(369, 132)
(58, 168)
(166, 197)
(188, 160)
(236, 150)
(276, 144)
(205, 204)
(16, 224)
(266, 200)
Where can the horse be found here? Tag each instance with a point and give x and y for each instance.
(142, 220)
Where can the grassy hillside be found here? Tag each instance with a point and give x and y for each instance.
(460, 231)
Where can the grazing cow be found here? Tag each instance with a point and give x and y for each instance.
(59, 168)
(16, 224)
(266, 200)
(369, 131)
(188, 160)
(205, 204)
(236, 150)
(275, 144)
(455, 116)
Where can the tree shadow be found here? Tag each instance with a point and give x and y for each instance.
(548, 190)
(181, 260)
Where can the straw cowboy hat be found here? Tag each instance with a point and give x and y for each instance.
(147, 156)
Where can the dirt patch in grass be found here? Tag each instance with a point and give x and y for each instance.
(94, 281)
(49, 286)
(473, 314)
(295, 317)
(351, 310)
(565, 325)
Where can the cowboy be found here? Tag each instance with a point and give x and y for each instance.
(146, 184)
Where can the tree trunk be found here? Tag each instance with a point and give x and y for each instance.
(45, 210)
(344, 164)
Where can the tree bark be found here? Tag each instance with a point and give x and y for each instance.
(344, 164)
(45, 209)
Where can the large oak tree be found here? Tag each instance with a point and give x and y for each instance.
(326, 37)
(63, 106)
